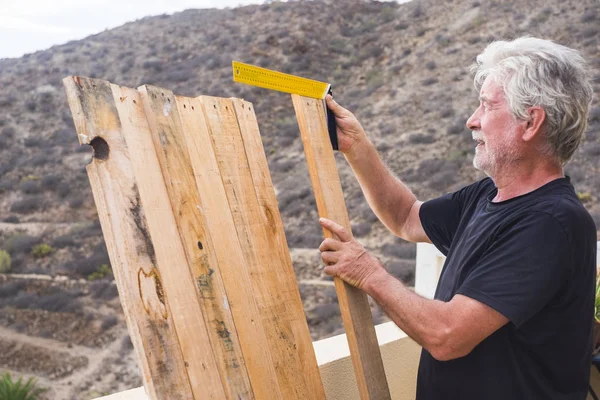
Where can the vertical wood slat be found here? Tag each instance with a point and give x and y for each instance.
(125, 228)
(265, 249)
(228, 250)
(163, 113)
(354, 306)
(265, 193)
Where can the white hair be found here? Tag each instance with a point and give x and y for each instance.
(538, 72)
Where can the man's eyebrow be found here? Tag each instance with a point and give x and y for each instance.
(484, 99)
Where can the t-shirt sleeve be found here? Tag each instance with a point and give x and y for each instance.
(441, 216)
(523, 269)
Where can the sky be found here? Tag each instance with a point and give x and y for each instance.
(27, 26)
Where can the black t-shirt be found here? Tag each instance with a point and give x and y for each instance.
(532, 258)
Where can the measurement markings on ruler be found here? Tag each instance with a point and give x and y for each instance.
(268, 79)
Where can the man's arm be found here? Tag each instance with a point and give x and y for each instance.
(447, 330)
(391, 200)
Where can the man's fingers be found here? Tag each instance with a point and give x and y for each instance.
(329, 244)
(336, 228)
(330, 270)
(328, 257)
(338, 110)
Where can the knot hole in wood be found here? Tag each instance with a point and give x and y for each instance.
(100, 147)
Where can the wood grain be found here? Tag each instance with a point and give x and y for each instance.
(354, 306)
(251, 198)
(162, 111)
(115, 188)
(228, 250)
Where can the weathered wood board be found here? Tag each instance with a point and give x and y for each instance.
(252, 201)
(196, 242)
(354, 306)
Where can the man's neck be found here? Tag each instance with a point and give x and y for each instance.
(523, 179)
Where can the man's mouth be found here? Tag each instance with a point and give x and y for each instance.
(480, 142)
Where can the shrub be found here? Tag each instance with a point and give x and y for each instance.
(102, 272)
(39, 160)
(447, 112)
(32, 142)
(19, 390)
(108, 322)
(76, 202)
(8, 132)
(11, 288)
(30, 187)
(589, 31)
(63, 189)
(324, 312)
(64, 241)
(429, 81)
(63, 136)
(30, 178)
(126, 344)
(42, 250)
(27, 205)
(584, 197)
(431, 65)
(5, 261)
(595, 114)
(457, 128)
(589, 16)
(403, 270)
(21, 244)
(361, 229)
(419, 138)
(400, 249)
(56, 300)
(50, 181)
(104, 290)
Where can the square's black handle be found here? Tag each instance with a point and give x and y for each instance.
(331, 127)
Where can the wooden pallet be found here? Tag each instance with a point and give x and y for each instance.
(198, 251)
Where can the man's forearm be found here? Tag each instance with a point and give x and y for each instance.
(389, 198)
(426, 321)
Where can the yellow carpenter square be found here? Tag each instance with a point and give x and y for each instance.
(268, 79)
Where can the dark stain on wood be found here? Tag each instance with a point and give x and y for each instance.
(270, 218)
(146, 247)
(225, 336)
(204, 285)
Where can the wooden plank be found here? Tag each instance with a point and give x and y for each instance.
(165, 124)
(265, 192)
(233, 267)
(177, 276)
(147, 309)
(265, 250)
(354, 306)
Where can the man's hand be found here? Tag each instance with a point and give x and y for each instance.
(349, 131)
(348, 259)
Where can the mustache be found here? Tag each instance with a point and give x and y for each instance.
(477, 137)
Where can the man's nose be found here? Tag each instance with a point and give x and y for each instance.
(473, 122)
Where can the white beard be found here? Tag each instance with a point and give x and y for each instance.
(493, 162)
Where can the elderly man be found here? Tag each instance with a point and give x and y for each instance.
(513, 310)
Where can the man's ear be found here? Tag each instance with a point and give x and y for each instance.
(533, 129)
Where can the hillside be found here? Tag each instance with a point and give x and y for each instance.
(403, 69)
